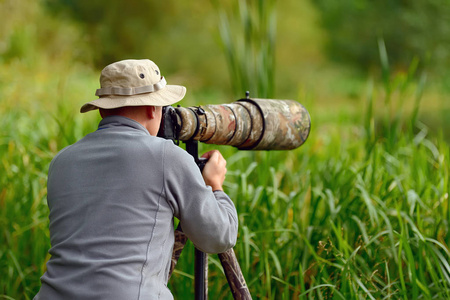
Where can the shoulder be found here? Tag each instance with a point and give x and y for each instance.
(174, 150)
(176, 156)
(59, 155)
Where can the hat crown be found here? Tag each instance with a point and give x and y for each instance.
(133, 82)
(130, 73)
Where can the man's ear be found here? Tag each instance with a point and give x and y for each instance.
(150, 112)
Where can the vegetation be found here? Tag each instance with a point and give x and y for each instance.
(360, 211)
(411, 29)
(249, 45)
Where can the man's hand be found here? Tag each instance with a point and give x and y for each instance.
(214, 170)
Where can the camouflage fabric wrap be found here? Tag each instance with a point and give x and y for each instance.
(248, 124)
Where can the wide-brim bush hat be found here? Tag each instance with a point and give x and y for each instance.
(134, 82)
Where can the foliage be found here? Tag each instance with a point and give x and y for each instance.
(27, 31)
(358, 211)
(159, 30)
(409, 28)
(248, 34)
(120, 29)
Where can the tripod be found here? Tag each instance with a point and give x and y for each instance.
(228, 259)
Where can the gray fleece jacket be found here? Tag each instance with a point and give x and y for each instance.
(112, 198)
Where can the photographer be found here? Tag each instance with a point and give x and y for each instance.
(113, 195)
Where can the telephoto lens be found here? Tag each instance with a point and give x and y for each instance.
(248, 124)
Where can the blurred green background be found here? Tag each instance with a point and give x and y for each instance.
(323, 50)
(374, 76)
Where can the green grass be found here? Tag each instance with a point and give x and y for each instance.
(248, 31)
(360, 211)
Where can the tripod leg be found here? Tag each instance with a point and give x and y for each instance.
(201, 275)
(201, 264)
(233, 272)
(180, 242)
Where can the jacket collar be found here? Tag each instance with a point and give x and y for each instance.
(115, 121)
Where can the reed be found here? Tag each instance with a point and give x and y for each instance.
(248, 29)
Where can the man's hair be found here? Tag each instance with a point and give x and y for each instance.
(119, 111)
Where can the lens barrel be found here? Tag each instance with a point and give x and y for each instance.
(248, 124)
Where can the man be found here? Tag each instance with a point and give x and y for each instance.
(113, 195)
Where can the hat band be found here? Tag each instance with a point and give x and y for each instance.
(113, 90)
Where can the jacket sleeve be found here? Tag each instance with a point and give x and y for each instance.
(209, 219)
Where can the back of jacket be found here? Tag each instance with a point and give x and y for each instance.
(112, 198)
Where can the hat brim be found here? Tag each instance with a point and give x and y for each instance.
(169, 95)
